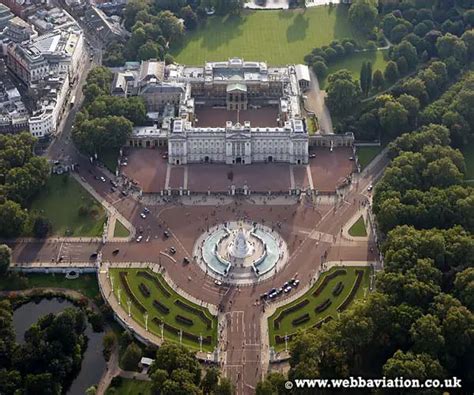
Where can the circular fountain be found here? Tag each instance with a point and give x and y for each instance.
(240, 253)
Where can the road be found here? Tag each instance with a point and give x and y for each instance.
(315, 103)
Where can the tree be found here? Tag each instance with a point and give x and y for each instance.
(320, 69)
(149, 50)
(393, 118)
(464, 287)
(410, 365)
(210, 380)
(451, 46)
(391, 72)
(363, 15)
(225, 387)
(378, 80)
(274, 384)
(5, 257)
(190, 17)
(131, 357)
(12, 219)
(427, 335)
(406, 50)
(343, 93)
(364, 79)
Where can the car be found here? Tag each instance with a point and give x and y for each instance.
(97, 177)
(56, 162)
(113, 183)
(143, 215)
(139, 238)
(93, 255)
(351, 158)
(287, 289)
(279, 291)
(218, 282)
(186, 260)
(292, 281)
(102, 179)
(272, 295)
(165, 156)
(112, 189)
(273, 290)
(115, 252)
(146, 210)
(312, 156)
(286, 284)
(370, 187)
(172, 250)
(166, 234)
(263, 296)
(296, 283)
(124, 193)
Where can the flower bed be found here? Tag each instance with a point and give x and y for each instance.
(352, 294)
(323, 306)
(184, 320)
(195, 311)
(155, 280)
(288, 311)
(160, 307)
(144, 290)
(186, 335)
(128, 291)
(327, 278)
(338, 289)
(300, 320)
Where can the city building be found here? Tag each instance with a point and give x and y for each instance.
(5, 16)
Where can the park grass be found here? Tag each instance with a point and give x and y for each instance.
(198, 328)
(286, 327)
(367, 154)
(120, 230)
(275, 36)
(468, 152)
(60, 200)
(131, 387)
(85, 283)
(358, 228)
(353, 63)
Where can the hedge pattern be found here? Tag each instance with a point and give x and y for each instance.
(144, 290)
(289, 310)
(195, 311)
(300, 320)
(328, 278)
(355, 288)
(338, 289)
(184, 320)
(186, 335)
(155, 280)
(128, 291)
(160, 307)
(323, 306)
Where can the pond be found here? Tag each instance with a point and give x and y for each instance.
(93, 363)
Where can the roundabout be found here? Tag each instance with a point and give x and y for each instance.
(239, 252)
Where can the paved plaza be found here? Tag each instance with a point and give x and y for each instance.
(217, 117)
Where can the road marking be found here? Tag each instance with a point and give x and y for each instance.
(167, 179)
(292, 178)
(310, 177)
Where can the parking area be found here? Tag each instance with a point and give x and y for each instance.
(147, 167)
(329, 169)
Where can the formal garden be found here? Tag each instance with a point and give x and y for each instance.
(149, 293)
(334, 291)
(71, 210)
(277, 37)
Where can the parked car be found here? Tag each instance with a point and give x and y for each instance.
(146, 210)
(312, 156)
(139, 238)
(143, 215)
(186, 260)
(166, 234)
(172, 250)
(115, 252)
(287, 289)
(218, 282)
(370, 187)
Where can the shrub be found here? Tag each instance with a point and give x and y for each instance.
(350, 297)
(161, 307)
(144, 290)
(323, 306)
(300, 320)
(338, 288)
(184, 320)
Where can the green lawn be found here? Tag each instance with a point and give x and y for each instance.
(85, 283)
(277, 37)
(131, 387)
(354, 62)
(197, 328)
(358, 228)
(366, 154)
(60, 201)
(120, 230)
(286, 326)
(468, 153)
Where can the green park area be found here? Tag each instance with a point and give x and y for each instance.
(353, 63)
(70, 208)
(277, 37)
(85, 283)
(367, 154)
(120, 230)
(358, 228)
(130, 387)
(149, 293)
(334, 291)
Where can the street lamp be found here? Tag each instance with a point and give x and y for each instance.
(286, 342)
(146, 320)
(200, 342)
(129, 304)
(119, 300)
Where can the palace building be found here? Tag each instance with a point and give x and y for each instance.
(233, 112)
